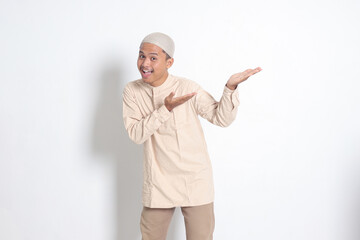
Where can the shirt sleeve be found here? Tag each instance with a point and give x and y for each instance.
(220, 113)
(140, 128)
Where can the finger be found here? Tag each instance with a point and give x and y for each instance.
(253, 71)
(184, 98)
(250, 71)
(256, 70)
(187, 97)
(171, 95)
(190, 94)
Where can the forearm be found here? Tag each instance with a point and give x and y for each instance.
(140, 130)
(220, 113)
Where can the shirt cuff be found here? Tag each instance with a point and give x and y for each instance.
(229, 90)
(233, 95)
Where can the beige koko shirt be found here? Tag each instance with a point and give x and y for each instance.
(177, 168)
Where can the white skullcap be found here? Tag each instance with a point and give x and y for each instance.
(161, 40)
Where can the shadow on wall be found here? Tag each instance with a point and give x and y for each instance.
(356, 219)
(111, 140)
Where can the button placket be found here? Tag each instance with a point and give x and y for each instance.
(156, 100)
(153, 98)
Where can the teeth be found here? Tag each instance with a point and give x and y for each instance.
(146, 71)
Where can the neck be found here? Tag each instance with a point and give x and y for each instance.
(161, 80)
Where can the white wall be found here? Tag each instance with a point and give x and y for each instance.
(287, 168)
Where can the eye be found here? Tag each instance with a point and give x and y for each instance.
(141, 56)
(153, 58)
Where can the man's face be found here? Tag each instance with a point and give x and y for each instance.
(153, 65)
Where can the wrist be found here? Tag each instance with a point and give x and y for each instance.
(168, 107)
(231, 87)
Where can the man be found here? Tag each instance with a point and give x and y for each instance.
(161, 111)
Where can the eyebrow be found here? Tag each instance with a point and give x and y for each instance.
(149, 53)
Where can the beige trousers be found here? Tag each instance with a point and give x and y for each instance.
(199, 222)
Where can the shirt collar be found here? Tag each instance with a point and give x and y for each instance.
(163, 86)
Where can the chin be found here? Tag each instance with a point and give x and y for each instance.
(146, 80)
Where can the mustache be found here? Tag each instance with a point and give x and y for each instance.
(144, 68)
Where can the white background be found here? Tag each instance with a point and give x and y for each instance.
(286, 169)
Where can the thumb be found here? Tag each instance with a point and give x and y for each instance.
(171, 95)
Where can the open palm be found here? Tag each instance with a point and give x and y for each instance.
(240, 77)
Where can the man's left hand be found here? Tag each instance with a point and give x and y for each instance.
(240, 77)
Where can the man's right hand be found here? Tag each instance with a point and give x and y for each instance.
(171, 102)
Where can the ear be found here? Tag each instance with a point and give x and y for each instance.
(169, 63)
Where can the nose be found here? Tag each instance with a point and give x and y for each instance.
(146, 62)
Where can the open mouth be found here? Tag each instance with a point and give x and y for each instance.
(146, 73)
